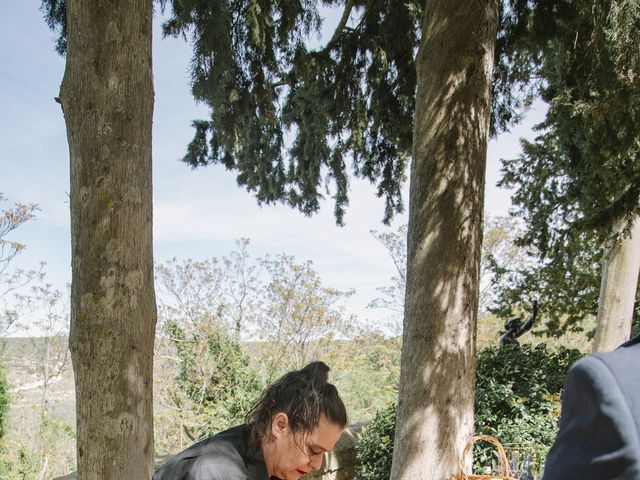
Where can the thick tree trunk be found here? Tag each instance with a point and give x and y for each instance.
(620, 269)
(107, 98)
(453, 105)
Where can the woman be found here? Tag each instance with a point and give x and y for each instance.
(296, 420)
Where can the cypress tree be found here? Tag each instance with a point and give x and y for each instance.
(580, 175)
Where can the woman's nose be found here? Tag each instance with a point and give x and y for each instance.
(315, 461)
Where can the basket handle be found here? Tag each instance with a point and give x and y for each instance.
(503, 463)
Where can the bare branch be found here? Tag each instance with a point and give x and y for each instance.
(340, 28)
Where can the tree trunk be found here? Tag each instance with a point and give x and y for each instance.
(107, 98)
(620, 269)
(453, 105)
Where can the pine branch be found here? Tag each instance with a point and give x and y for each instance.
(340, 28)
(334, 38)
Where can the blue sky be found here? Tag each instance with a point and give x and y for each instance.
(197, 214)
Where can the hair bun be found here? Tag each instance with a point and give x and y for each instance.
(317, 373)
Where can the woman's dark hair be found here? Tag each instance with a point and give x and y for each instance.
(304, 396)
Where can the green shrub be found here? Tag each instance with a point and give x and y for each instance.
(4, 403)
(367, 370)
(375, 446)
(215, 378)
(19, 462)
(517, 401)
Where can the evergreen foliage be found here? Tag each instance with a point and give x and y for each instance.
(293, 120)
(55, 14)
(351, 99)
(580, 174)
(517, 401)
(268, 90)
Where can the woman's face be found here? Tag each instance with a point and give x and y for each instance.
(290, 456)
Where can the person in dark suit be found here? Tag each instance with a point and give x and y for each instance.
(296, 420)
(599, 434)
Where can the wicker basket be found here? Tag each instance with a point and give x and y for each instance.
(503, 464)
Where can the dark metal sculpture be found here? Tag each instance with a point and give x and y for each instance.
(514, 327)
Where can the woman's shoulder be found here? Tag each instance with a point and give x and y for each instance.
(222, 456)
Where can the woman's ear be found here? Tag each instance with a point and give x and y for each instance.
(279, 424)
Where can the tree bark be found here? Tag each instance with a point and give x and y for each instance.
(107, 98)
(453, 105)
(620, 269)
